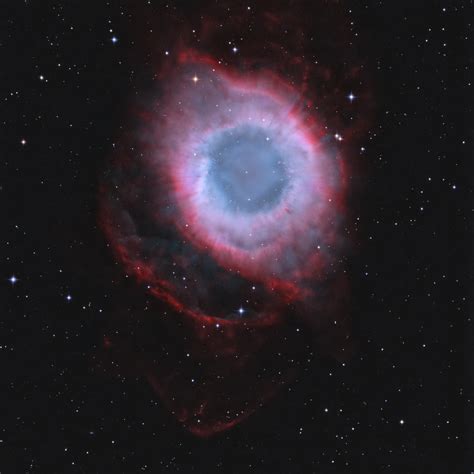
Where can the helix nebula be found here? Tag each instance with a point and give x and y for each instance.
(226, 199)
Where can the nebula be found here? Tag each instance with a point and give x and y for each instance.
(227, 199)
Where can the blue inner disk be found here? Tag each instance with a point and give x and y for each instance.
(246, 172)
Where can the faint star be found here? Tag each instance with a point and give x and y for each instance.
(23, 141)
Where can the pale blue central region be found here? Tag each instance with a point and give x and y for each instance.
(246, 172)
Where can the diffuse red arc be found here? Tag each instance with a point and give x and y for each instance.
(212, 377)
(215, 400)
(238, 275)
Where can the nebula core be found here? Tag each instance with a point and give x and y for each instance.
(227, 199)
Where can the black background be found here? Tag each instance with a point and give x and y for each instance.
(412, 272)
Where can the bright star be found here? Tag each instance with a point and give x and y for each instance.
(195, 79)
(241, 310)
(13, 279)
(114, 39)
(351, 97)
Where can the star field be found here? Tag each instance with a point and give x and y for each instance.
(402, 403)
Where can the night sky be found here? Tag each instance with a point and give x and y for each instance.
(74, 398)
